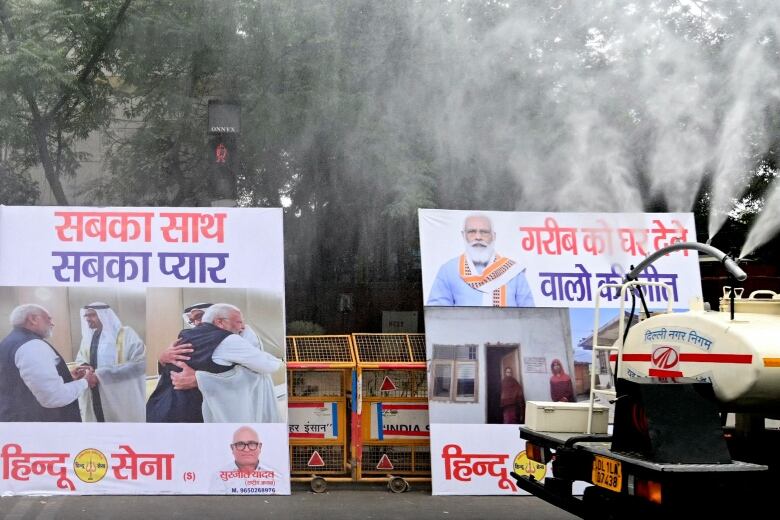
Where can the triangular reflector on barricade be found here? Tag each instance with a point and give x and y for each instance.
(384, 463)
(315, 461)
(388, 385)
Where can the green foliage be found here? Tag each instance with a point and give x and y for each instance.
(356, 113)
(16, 189)
(54, 79)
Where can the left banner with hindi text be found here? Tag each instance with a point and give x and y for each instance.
(155, 337)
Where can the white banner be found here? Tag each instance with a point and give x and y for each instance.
(551, 259)
(108, 339)
(154, 247)
(509, 318)
(478, 459)
(123, 459)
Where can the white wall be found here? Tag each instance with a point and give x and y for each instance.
(541, 333)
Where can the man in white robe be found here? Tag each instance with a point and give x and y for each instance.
(118, 357)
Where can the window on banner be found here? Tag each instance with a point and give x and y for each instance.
(466, 377)
(442, 380)
(454, 372)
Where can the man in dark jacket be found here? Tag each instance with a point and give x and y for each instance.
(35, 383)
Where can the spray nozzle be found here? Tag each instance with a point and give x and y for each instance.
(734, 270)
(730, 265)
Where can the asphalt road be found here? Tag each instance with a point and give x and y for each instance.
(342, 502)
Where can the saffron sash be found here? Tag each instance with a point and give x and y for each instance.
(492, 282)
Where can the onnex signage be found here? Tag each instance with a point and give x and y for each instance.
(224, 118)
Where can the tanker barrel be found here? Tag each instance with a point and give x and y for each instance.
(730, 265)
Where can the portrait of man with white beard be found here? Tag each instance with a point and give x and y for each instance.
(480, 277)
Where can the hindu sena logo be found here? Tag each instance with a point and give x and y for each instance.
(665, 357)
(90, 465)
(526, 467)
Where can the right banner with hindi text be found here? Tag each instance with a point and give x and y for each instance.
(509, 318)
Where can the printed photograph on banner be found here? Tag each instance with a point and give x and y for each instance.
(246, 471)
(73, 354)
(216, 355)
(484, 364)
(479, 275)
(531, 259)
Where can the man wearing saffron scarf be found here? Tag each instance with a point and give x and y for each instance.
(512, 399)
(480, 276)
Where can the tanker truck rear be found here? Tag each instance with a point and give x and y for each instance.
(695, 399)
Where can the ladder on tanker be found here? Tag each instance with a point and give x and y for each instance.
(616, 348)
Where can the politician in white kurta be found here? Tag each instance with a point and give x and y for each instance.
(240, 393)
(480, 276)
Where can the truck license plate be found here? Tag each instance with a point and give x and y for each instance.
(607, 473)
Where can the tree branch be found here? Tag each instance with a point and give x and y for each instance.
(40, 126)
(39, 123)
(4, 19)
(92, 63)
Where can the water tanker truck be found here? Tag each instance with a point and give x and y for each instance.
(694, 397)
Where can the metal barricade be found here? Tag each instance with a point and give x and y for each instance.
(391, 434)
(319, 378)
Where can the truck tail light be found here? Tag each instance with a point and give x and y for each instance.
(537, 453)
(650, 490)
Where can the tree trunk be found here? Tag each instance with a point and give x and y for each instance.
(40, 131)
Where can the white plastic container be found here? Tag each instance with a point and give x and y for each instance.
(761, 302)
(548, 416)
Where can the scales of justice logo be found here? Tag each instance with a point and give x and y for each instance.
(90, 465)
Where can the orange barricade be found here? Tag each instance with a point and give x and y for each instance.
(320, 373)
(390, 428)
